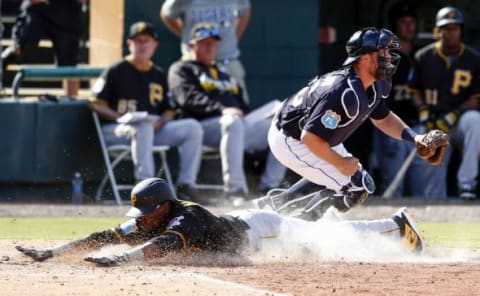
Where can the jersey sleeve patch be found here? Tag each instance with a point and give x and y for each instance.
(330, 119)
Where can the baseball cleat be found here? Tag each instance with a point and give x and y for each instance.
(409, 233)
(273, 200)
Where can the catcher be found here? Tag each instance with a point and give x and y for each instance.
(161, 223)
(308, 131)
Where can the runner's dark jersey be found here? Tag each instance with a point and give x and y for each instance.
(190, 224)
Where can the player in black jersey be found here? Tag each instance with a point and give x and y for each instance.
(446, 88)
(307, 133)
(161, 224)
(136, 84)
(391, 153)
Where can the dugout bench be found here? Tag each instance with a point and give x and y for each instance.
(52, 73)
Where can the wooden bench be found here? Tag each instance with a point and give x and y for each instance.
(52, 73)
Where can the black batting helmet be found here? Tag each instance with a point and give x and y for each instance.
(448, 15)
(369, 40)
(147, 195)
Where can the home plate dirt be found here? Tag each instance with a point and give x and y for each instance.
(436, 272)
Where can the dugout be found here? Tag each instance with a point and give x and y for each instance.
(286, 44)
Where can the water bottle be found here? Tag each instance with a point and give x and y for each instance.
(77, 189)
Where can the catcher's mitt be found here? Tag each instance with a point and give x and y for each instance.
(432, 146)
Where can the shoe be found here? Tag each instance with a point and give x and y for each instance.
(273, 199)
(408, 231)
(467, 194)
(187, 192)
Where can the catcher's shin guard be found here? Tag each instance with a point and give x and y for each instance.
(324, 199)
(277, 198)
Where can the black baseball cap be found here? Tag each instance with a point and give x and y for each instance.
(203, 31)
(142, 28)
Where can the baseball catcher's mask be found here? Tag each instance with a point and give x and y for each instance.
(148, 195)
(369, 40)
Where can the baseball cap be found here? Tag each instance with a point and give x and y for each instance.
(148, 195)
(142, 28)
(203, 31)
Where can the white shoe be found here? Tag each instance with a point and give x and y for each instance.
(273, 200)
(411, 237)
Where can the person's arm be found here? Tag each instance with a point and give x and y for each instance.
(321, 148)
(242, 23)
(104, 111)
(391, 125)
(175, 25)
(91, 241)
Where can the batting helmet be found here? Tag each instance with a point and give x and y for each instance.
(147, 195)
(369, 40)
(448, 15)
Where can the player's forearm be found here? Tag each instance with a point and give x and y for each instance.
(105, 112)
(242, 23)
(174, 25)
(391, 125)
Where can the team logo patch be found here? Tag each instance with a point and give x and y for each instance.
(175, 222)
(330, 119)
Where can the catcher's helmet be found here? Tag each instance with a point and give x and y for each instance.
(448, 15)
(147, 195)
(368, 40)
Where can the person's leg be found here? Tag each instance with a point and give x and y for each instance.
(341, 192)
(256, 140)
(67, 50)
(140, 137)
(467, 133)
(30, 26)
(187, 135)
(228, 133)
(296, 156)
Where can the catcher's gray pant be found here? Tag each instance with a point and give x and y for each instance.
(297, 157)
(465, 135)
(268, 225)
(235, 137)
(186, 134)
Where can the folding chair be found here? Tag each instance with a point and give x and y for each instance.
(207, 154)
(114, 154)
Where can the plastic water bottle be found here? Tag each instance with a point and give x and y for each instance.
(77, 188)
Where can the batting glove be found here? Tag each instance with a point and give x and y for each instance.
(37, 255)
(110, 260)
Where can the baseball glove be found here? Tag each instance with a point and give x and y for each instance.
(432, 146)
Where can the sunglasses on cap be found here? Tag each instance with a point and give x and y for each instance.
(205, 32)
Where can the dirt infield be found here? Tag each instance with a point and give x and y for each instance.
(436, 272)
